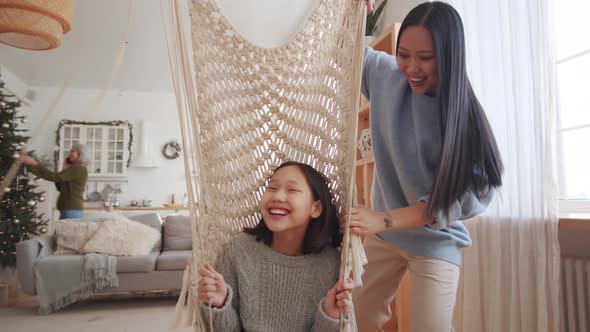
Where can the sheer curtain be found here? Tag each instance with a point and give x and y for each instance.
(510, 278)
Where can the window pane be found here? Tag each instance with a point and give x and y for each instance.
(111, 134)
(575, 164)
(98, 133)
(75, 132)
(89, 133)
(111, 168)
(573, 100)
(119, 168)
(120, 134)
(119, 155)
(67, 132)
(111, 146)
(119, 146)
(572, 27)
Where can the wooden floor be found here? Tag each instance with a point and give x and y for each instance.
(20, 314)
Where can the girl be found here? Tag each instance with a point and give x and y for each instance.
(436, 163)
(274, 277)
(70, 182)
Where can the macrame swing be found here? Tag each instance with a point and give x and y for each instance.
(247, 109)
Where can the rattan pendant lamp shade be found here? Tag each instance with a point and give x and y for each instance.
(35, 24)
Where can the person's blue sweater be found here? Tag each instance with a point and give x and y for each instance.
(406, 139)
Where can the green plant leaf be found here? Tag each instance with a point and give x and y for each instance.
(373, 18)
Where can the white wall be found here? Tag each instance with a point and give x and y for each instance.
(254, 17)
(13, 83)
(158, 109)
(267, 23)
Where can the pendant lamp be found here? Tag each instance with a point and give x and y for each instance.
(35, 24)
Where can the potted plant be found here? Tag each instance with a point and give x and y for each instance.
(373, 22)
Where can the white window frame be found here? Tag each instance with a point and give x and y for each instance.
(104, 175)
(570, 205)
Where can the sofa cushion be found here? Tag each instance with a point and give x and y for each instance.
(153, 220)
(72, 235)
(173, 260)
(177, 233)
(144, 263)
(123, 237)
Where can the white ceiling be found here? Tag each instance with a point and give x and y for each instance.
(89, 50)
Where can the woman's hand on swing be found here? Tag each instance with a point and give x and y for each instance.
(365, 221)
(212, 288)
(338, 297)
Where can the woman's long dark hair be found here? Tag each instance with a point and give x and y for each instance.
(470, 159)
(321, 231)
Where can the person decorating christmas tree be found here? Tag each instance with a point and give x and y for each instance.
(70, 182)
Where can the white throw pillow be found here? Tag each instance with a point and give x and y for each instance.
(71, 236)
(123, 237)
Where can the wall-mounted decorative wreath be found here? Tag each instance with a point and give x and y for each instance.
(171, 150)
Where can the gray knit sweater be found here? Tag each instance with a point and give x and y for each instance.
(272, 292)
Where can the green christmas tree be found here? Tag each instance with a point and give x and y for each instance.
(19, 219)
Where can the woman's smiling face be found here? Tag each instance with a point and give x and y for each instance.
(416, 60)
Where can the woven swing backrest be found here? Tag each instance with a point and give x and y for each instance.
(258, 107)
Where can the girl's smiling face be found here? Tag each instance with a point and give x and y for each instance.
(288, 204)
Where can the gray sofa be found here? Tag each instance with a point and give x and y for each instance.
(161, 270)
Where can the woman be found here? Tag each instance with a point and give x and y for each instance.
(70, 182)
(436, 163)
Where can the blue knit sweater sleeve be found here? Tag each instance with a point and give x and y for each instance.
(375, 63)
(469, 205)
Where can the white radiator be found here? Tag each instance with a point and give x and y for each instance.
(575, 288)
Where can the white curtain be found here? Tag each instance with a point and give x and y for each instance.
(510, 277)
